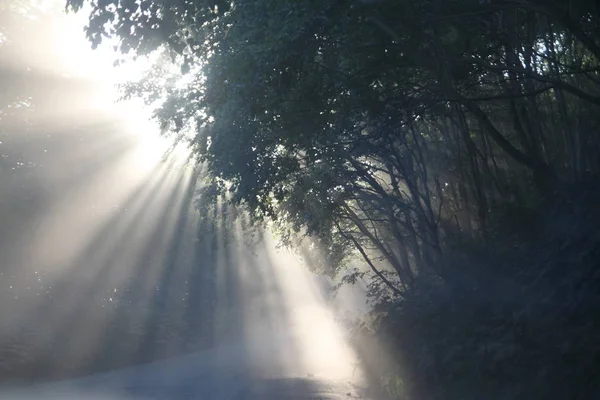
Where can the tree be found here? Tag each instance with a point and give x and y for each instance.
(375, 127)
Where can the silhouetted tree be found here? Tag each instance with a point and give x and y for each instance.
(374, 128)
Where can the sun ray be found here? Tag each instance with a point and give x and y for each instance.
(117, 239)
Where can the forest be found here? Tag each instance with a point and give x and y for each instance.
(447, 151)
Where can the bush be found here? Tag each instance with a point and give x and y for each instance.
(525, 326)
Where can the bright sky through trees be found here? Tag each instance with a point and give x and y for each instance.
(60, 48)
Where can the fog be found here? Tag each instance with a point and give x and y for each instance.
(104, 261)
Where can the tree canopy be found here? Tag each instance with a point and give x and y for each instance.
(375, 127)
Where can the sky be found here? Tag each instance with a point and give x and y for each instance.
(56, 45)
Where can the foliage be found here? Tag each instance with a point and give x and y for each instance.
(363, 127)
(401, 133)
(532, 337)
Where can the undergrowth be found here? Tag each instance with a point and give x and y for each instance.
(519, 319)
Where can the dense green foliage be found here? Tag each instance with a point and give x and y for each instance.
(438, 141)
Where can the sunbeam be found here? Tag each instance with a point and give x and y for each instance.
(106, 262)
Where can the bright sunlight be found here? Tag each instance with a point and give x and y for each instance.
(107, 261)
